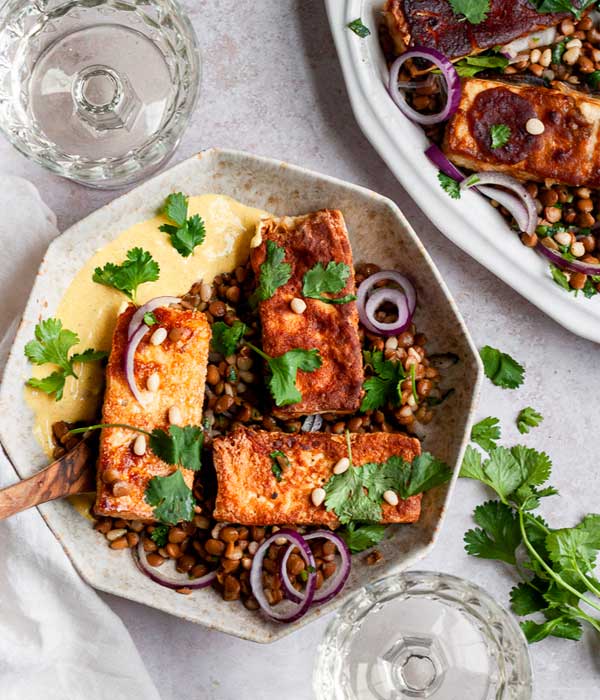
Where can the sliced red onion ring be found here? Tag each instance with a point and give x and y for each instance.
(438, 158)
(130, 361)
(139, 556)
(510, 202)
(391, 296)
(298, 609)
(453, 86)
(364, 294)
(138, 317)
(571, 265)
(334, 584)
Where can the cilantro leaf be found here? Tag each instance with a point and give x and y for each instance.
(160, 535)
(498, 535)
(138, 268)
(469, 66)
(52, 384)
(550, 6)
(180, 446)
(486, 432)
(273, 273)
(471, 467)
(426, 472)
(150, 319)
(500, 134)
(359, 28)
(503, 471)
(332, 279)
(501, 368)
(528, 418)
(525, 599)
(560, 278)
(564, 627)
(187, 233)
(449, 185)
(225, 338)
(384, 386)
(361, 537)
(280, 461)
(171, 498)
(89, 355)
(474, 11)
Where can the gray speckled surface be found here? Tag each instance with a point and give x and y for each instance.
(272, 86)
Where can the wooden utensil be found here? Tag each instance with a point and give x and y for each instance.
(73, 473)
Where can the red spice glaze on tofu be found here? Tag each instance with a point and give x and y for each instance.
(249, 493)
(180, 361)
(319, 237)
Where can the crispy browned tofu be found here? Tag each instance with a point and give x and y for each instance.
(566, 152)
(180, 361)
(250, 494)
(433, 24)
(320, 237)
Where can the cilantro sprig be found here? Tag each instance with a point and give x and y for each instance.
(384, 385)
(500, 135)
(550, 6)
(280, 461)
(449, 185)
(320, 280)
(556, 566)
(273, 273)
(225, 339)
(469, 66)
(486, 432)
(171, 498)
(474, 11)
(137, 268)
(52, 345)
(284, 369)
(501, 368)
(360, 537)
(186, 233)
(528, 418)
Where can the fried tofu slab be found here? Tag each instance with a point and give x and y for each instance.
(567, 151)
(319, 237)
(250, 494)
(180, 361)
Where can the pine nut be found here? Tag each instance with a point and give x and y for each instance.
(318, 496)
(175, 416)
(256, 239)
(535, 127)
(113, 535)
(341, 466)
(205, 292)
(535, 56)
(280, 541)
(252, 547)
(574, 44)
(391, 497)
(391, 343)
(121, 488)
(159, 336)
(153, 382)
(546, 58)
(578, 249)
(563, 238)
(298, 306)
(139, 445)
(571, 56)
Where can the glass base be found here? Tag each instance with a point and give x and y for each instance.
(423, 635)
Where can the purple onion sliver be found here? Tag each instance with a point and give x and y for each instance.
(570, 265)
(138, 317)
(132, 346)
(438, 158)
(139, 557)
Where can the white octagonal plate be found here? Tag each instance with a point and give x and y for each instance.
(379, 233)
(471, 223)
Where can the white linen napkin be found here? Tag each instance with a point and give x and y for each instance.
(58, 639)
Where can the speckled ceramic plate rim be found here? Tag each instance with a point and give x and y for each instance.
(471, 223)
(245, 177)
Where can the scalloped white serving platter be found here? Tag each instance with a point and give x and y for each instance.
(379, 233)
(471, 223)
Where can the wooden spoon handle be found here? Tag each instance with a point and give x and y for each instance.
(73, 473)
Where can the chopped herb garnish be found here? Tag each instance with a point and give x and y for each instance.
(560, 278)
(384, 385)
(280, 462)
(360, 537)
(501, 368)
(150, 319)
(332, 279)
(52, 345)
(486, 432)
(528, 418)
(139, 267)
(558, 51)
(474, 11)
(171, 498)
(577, 7)
(160, 534)
(449, 185)
(284, 369)
(273, 273)
(472, 65)
(185, 233)
(500, 134)
(225, 339)
(359, 28)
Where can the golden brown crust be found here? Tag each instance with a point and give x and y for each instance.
(566, 152)
(249, 493)
(181, 365)
(331, 328)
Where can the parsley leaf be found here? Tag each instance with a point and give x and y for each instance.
(52, 345)
(359, 28)
(500, 134)
(280, 462)
(449, 185)
(528, 418)
(171, 498)
(486, 432)
(498, 535)
(139, 267)
(186, 233)
(332, 279)
(225, 338)
(284, 370)
(361, 537)
(160, 535)
(474, 11)
(501, 368)
(180, 446)
(384, 385)
(273, 273)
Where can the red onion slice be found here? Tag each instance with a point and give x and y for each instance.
(392, 296)
(138, 317)
(453, 86)
(438, 158)
(334, 584)
(570, 265)
(364, 292)
(298, 609)
(139, 556)
(130, 361)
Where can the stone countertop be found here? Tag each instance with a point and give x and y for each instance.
(272, 86)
